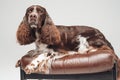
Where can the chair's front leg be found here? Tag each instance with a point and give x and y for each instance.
(22, 75)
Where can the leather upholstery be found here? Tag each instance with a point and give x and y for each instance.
(83, 63)
(92, 62)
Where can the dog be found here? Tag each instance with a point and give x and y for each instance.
(38, 27)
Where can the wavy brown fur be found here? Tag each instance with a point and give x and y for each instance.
(25, 35)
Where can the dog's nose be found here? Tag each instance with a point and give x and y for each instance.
(33, 16)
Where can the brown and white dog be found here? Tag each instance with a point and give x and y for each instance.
(38, 27)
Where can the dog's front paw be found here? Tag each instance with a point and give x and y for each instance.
(29, 68)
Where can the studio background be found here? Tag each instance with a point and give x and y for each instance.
(101, 14)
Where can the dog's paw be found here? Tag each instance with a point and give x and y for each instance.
(29, 68)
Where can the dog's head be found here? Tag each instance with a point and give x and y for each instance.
(35, 16)
(37, 19)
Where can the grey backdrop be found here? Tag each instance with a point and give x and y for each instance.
(102, 14)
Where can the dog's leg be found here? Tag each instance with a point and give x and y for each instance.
(34, 64)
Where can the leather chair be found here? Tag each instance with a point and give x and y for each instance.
(98, 65)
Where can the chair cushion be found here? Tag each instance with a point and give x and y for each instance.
(91, 62)
(83, 63)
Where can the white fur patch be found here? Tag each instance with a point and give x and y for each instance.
(43, 48)
(33, 26)
(83, 46)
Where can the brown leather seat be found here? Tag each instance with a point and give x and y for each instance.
(93, 62)
(92, 65)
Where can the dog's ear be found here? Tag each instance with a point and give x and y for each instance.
(50, 33)
(48, 20)
(25, 35)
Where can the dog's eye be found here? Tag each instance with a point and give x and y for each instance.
(30, 10)
(39, 10)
